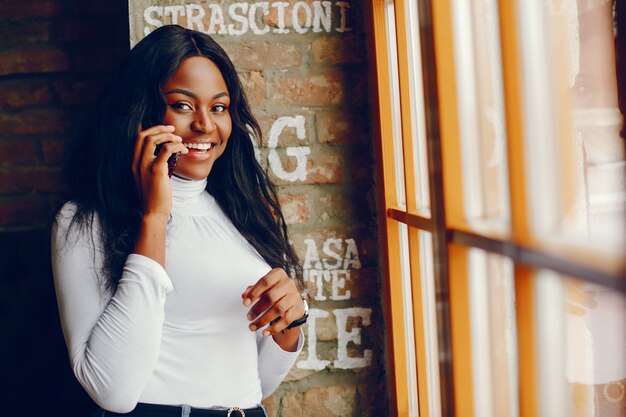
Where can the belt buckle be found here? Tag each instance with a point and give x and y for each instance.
(237, 409)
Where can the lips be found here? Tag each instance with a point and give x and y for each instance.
(199, 147)
(199, 151)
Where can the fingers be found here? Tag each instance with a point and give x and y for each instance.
(147, 142)
(279, 315)
(272, 278)
(141, 140)
(276, 301)
(167, 150)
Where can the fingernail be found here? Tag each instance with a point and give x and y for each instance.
(246, 302)
(170, 127)
(252, 327)
(250, 316)
(266, 332)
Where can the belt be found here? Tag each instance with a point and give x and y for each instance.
(157, 410)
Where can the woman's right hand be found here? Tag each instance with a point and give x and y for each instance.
(150, 171)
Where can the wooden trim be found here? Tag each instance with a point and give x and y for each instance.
(404, 80)
(419, 325)
(441, 123)
(531, 257)
(410, 178)
(411, 219)
(461, 331)
(526, 322)
(514, 121)
(393, 301)
(520, 226)
(448, 113)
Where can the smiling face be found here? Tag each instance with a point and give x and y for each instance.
(197, 106)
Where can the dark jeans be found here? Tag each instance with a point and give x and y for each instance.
(155, 410)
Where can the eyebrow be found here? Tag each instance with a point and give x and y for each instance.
(192, 95)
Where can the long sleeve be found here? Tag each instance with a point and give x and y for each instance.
(274, 362)
(113, 340)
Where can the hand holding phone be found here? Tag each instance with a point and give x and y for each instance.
(171, 161)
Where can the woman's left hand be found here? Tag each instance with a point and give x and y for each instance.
(277, 300)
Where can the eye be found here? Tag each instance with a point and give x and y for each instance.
(219, 108)
(181, 106)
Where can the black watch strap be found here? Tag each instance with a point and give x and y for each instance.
(303, 319)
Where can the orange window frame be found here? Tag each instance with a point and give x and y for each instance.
(452, 237)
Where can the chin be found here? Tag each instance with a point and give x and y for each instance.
(193, 174)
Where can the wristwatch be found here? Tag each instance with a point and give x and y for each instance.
(303, 319)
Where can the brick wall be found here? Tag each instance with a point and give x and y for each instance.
(54, 57)
(305, 67)
(306, 74)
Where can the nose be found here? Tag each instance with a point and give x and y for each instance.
(203, 122)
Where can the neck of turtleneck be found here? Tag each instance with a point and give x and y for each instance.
(186, 194)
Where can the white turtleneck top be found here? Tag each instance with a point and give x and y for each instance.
(177, 335)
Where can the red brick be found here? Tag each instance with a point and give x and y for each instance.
(295, 207)
(334, 205)
(323, 167)
(373, 388)
(16, 94)
(357, 89)
(36, 121)
(26, 210)
(291, 404)
(339, 128)
(288, 137)
(254, 86)
(330, 401)
(262, 55)
(339, 49)
(32, 61)
(53, 151)
(22, 32)
(19, 152)
(21, 8)
(313, 89)
(272, 18)
(78, 91)
(353, 15)
(270, 406)
(361, 168)
(28, 180)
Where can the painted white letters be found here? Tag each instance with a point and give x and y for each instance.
(298, 152)
(317, 16)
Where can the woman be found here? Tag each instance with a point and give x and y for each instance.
(173, 293)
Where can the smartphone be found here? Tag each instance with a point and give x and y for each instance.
(171, 161)
(156, 118)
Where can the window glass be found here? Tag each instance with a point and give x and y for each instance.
(427, 281)
(395, 103)
(582, 340)
(417, 111)
(575, 155)
(481, 113)
(494, 342)
(408, 320)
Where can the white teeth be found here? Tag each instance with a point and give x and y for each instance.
(199, 146)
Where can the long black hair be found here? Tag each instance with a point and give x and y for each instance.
(98, 165)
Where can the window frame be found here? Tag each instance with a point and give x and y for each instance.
(452, 236)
